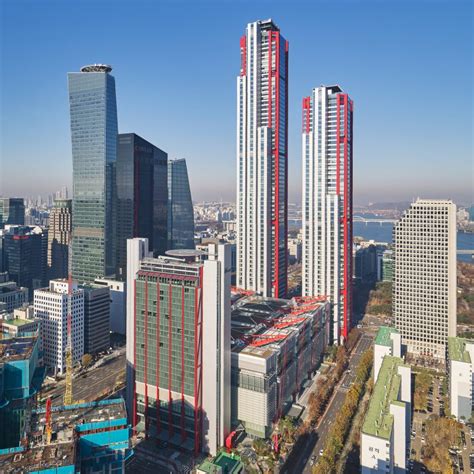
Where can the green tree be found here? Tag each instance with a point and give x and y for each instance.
(86, 360)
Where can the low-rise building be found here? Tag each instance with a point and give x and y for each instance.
(276, 345)
(18, 327)
(386, 430)
(461, 376)
(223, 463)
(387, 342)
(12, 295)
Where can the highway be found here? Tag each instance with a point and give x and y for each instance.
(95, 383)
(316, 443)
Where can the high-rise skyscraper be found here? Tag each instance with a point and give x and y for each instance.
(180, 347)
(94, 151)
(262, 166)
(424, 284)
(12, 211)
(142, 196)
(59, 234)
(180, 207)
(327, 202)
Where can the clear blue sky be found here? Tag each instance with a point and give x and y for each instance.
(406, 64)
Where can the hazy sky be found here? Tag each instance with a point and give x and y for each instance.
(406, 64)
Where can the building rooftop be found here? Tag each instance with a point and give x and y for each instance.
(17, 321)
(378, 420)
(457, 349)
(17, 348)
(224, 463)
(383, 337)
(20, 461)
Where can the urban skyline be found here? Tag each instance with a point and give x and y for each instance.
(371, 82)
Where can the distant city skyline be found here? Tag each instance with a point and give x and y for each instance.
(414, 136)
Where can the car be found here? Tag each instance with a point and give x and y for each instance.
(321, 452)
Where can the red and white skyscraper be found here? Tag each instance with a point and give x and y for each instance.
(262, 143)
(327, 202)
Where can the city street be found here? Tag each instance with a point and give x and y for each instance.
(92, 384)
(316, 443)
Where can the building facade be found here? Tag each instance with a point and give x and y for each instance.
(327, 202)
(51, 308)
(461, 377)
(262, 160)
(387, 342)
(181, 349)
(142, 196)
(385, 432)
(117, 303)
(93, 112)
(12, 296)
(180, 207)
(96, 318)
(12, 211)
(424, 288)
(59, 236)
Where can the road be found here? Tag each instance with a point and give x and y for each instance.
(93, 385)
(316, 443)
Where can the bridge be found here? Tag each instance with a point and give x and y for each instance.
(465, 252)
(378, 221)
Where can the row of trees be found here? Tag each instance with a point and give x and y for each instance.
(342, 423)
(320, 397)
(423, 382)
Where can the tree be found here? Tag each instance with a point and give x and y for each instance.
(86, 360)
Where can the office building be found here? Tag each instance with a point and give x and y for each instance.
(387, 342)
(385, 432)
(181, 347)
(93, 111)
(142, 196)
(12, 211)
(117, 303)
(277, 345)
(24, 255)
(262, 160)
(12, 296)
(327, 202)
(96, 318)
(385, 265)
(461, 377)
(180, 207)
(51, 308)
(59, 235)
(21, 376)
(15, 326)
(424, 288)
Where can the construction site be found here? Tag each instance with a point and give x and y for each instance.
(277, 345)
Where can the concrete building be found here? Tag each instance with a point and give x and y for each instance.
(96, 318)
(21, 376)
(93, 113)
(118, 307)
(142, 196)
(51, 308)
(223, 463)
(59, 236)
(11, 295)
(295, 250)
(327, 202)
(180, 351)
(461, 377)
(388, 342)
(385, 432)
(180, 207)
(18, 327)
(12, 211)
(262, 160)
(276, 345)
(424, 288)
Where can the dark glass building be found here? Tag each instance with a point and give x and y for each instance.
(12, 211)
(93, 111)
(180, 207)
(142, 196)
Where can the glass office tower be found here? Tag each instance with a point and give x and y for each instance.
(93, 112)
(142, 196)
(12, 211)
(180, 207)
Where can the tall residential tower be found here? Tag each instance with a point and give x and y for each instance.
(327, 202)
(93, 112)
(424, 286)
(262, 166)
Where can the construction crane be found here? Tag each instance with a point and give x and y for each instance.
(48, 421)
(69, 349)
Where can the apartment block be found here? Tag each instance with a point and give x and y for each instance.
(388, 342)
